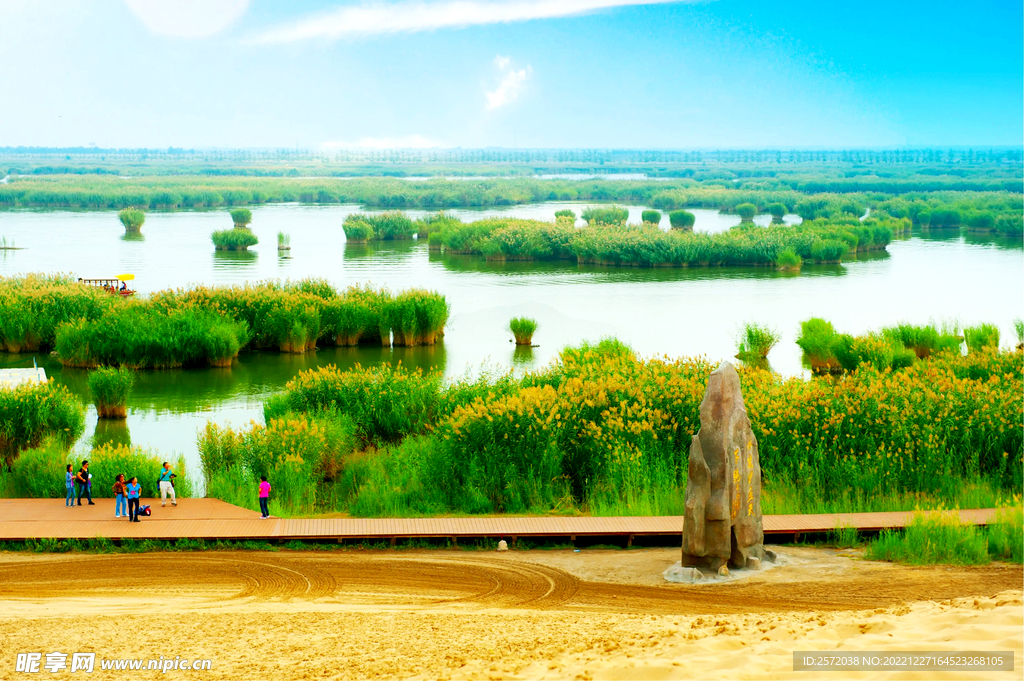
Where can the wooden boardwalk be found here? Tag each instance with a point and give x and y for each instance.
(211, 519)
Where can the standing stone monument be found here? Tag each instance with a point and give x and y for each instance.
(722, 524)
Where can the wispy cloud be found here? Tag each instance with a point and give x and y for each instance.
(412, 16)
(408, 142)
(511, 83)
(188, 18)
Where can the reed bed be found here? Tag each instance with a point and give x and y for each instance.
(33, 305)
(110, 389)
(895, 347)
(387, 226)
(33, 411)
(652, 217)
(604, 431)
(605, 215)
(202, 326)
(241, 217)
(682, 219)
(820, 241)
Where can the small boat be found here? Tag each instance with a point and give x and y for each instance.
(117, 286)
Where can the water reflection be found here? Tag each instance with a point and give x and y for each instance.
(112, 432)
(133, 236)
(522, 356)
(234, 260)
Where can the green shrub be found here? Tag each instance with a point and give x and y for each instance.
(787, 259)
(981, 336)
(523, 329)
(1018, 327)
(32, 411)
(241, 217)
(565, 213)
(1010, 225)
(233, 239)
(981, 222)
(131, 218)
(757, 341)
(778, 211)
(110, 388)
(876, 350)
(746, 211)
(682, 219)
(651, 216)
(607, 215)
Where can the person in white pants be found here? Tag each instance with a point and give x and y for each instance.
(166, 486)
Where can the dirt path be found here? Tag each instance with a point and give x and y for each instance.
(362, 614)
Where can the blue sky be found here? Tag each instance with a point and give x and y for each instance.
(527, 73)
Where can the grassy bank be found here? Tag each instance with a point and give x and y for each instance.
(604, 432)
(33, 411)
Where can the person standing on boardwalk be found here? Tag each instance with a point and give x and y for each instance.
(120, 500)
(167, 486)
(264, 497)
(133, 488)
(69, 482)
(82, 478)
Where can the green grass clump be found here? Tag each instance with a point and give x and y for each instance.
(357, 229)
(930, 539)
(1006, 534)
(241, 217)
(1018, 327)
(140, 335)
(523, 328)
(566, 213)
(131, 218)
(818, 340)
(682, 219)
(110, 389)
(233, 239)
(284, 241)
(778, 211)
(981, 336)
(746, 211)
(390, 225)
(651, 216)
(788, 260)
(923, 340)
(757, 341)
(33, 411)
(605, 215)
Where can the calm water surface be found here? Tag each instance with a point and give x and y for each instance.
(674, 312)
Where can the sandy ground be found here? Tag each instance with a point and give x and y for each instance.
(522, 614)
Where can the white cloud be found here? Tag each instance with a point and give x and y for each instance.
(408, 142)
(511, 83)
(188, 18)
(411, 16)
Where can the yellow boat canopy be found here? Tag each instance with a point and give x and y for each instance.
(125, 277)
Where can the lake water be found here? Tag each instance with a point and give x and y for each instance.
(696, 311)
